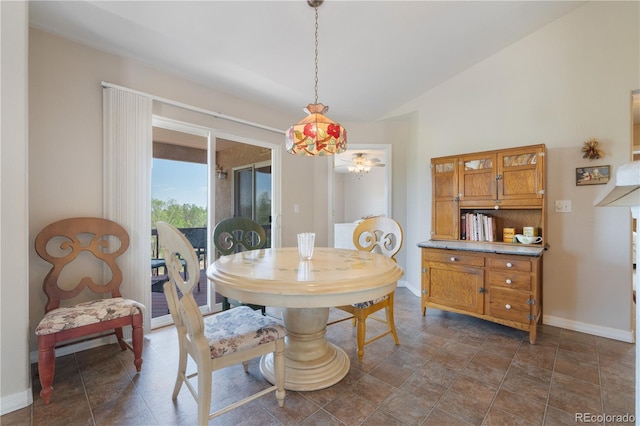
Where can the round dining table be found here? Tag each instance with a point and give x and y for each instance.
(305, 290)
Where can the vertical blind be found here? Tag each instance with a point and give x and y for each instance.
(127, 148)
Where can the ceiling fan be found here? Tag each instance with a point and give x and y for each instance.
(361, 163)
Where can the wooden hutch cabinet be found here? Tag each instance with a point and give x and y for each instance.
(487, 278)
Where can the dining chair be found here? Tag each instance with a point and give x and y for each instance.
(235, 234)
(382, 235)
(81, 249)
(217, 341)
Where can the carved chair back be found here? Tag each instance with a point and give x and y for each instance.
(63, 242)
(379, 234)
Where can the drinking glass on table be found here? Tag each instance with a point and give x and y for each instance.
(306, 241)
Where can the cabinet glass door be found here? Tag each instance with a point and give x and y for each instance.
(444, 221)
(520, 175)
(477, 178)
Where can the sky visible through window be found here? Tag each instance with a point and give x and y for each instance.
(181, 181)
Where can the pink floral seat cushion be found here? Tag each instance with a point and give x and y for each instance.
(238, 329)
(368, 303)
(87, 313)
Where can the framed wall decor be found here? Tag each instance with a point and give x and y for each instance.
(597, 175)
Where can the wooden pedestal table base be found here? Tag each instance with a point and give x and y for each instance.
(312, 362)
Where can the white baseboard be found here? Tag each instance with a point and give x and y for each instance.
(16, 401)
(596, 330)
(89, 344)
(415, 291)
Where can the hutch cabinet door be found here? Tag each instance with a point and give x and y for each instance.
(477, 178)
(520, 175)
(445, 216)
(458, 287)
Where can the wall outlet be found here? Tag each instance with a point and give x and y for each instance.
(563, 206)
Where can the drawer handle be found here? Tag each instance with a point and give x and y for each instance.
(508, 281)
(453, 259)
(508, 306)
(509, 265)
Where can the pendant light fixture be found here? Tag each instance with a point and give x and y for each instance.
(316, 134)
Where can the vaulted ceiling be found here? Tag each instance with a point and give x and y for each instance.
(374, 56)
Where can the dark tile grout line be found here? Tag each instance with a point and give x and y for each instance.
(546, 404)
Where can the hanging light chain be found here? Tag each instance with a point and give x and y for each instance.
(316, 45)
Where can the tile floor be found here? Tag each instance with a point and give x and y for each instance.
(448, 370)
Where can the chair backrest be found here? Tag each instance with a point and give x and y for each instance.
(235, 234)
(379, 234)
(64, 241)
(176, 249)
(178, 253)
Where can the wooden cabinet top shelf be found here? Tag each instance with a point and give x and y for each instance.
(485, 247)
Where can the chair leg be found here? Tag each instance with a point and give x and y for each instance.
(182, 368)
(279, 367)
(137, 341)
(46, 365)
(205, 376)
(361, 332)
(123, 345)
(390, 321)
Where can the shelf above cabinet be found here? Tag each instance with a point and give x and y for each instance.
(484, 247)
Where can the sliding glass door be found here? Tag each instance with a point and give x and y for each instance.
(179, 196)
(252, 194)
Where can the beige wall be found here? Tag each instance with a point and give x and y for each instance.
(365, 195)
(569, 81)
(15, 373)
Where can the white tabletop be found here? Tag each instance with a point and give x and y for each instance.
(276, 277)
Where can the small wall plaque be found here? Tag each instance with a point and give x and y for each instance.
(598, 175)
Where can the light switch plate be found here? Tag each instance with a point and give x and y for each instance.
(563, 206)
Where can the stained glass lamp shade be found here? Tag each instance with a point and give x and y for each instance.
(316, 135)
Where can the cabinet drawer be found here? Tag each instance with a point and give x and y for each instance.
(510, 279)
(452, 257)
(509, 263)
(510, 305)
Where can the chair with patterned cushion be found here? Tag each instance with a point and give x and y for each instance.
(230, 337)
(233, 235)
(83, 252)
(383, 235)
